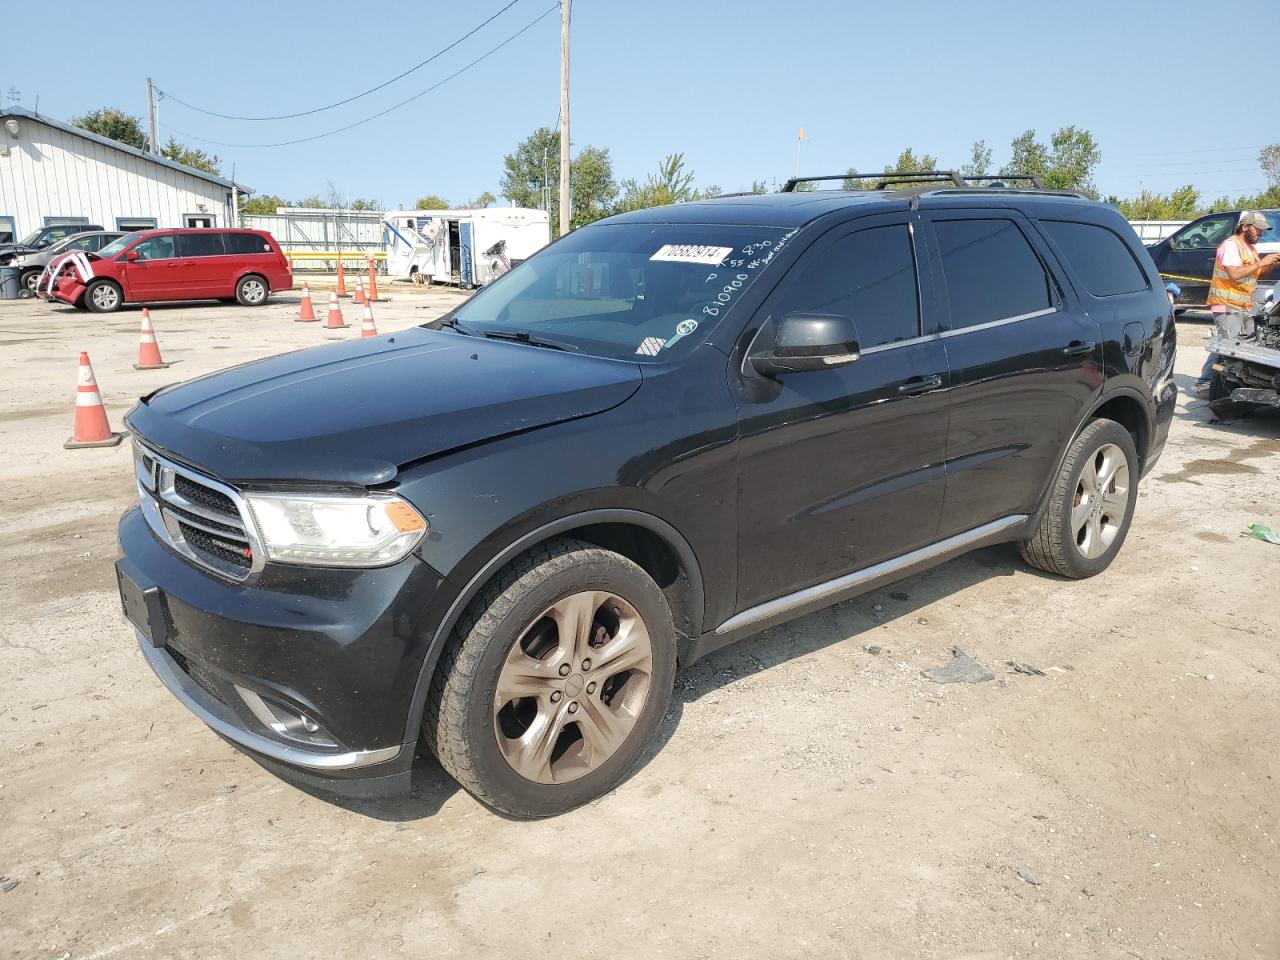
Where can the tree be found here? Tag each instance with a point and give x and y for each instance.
(1067, 164)
(479, 203)
(1269, 159)
(908, 162)
(265, 204)
(431, 202)
(535, 164)
(759, 186)
(190, 157)
(591, 186)
(979, 160)
(1182, 204)
(671, 184)
(115, 124)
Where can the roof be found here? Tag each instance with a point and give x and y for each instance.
(122, 147)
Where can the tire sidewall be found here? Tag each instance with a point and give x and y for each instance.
(89, 301)
(603, 571)
(240, 285)
(28, 280)
(1095, 435)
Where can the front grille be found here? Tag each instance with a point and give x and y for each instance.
(200, 494)
(197, 673)
(199, 517)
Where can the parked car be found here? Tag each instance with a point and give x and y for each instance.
(38, 240)
(502, 532)
(1187, 257)
(32, 265)
(156, 265)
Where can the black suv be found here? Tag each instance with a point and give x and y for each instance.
(38, 240)
(671, 429)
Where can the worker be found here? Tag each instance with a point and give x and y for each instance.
(1236, 270)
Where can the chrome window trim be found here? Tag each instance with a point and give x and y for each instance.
(156, 488)
(992, 324)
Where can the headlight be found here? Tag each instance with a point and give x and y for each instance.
(336, 531)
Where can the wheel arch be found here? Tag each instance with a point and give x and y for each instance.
(647, 540)
(251, 272)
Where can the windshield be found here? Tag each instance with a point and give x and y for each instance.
(629, 291)
(115, 246)
(31, 237)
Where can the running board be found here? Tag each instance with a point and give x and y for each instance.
(886, 570)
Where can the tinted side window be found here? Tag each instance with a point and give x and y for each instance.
(157, 248)
(200, 244)
(992, 272)
(243, 243)
(868, 276)
(1100, 258)
(83, 243)
(1208, 232)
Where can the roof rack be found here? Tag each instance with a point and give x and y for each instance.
(916, 184)
(884, 179)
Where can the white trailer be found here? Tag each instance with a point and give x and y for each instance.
(465, 247)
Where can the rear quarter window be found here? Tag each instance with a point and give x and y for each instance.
(245, 243)
(1103, 262)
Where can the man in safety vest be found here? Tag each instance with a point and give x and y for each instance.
(1235, 274)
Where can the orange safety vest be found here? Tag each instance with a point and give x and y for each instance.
(1233, 294)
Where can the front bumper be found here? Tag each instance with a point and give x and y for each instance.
(69, 290)
(310, 671)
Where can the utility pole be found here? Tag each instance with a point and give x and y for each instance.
(564, 116)
(151, 119)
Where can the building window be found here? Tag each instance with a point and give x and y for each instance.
(8, 230)
(199, 220)
(50, 221)
(130, 224)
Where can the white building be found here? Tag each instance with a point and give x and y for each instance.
(52, 172)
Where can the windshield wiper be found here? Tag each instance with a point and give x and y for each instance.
(455, 324)
(524, 336)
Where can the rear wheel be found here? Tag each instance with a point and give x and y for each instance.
(1091, 505)
(555, 681)
(103, 296)
(252, 291)
(29, 280)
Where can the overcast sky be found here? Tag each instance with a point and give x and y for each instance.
(727, 83)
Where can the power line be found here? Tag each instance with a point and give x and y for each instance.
(382, 113)
(307, 113)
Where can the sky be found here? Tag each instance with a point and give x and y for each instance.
(729, 84)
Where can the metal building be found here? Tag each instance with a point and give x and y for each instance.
(52, 172)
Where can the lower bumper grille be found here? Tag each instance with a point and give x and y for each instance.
(197, 673)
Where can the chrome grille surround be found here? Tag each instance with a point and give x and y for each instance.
(167, 511)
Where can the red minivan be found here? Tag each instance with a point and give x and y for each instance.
(155, 265)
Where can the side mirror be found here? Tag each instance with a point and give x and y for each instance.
(131, 255)
(807, 341)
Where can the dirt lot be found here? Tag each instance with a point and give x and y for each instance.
(808, 799)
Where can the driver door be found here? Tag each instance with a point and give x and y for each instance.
(1192, 251)
(842, 468)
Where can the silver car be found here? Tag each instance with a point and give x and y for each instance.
(33, 264)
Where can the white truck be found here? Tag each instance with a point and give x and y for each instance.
(464, 247)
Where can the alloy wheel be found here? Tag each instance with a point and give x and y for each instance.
(106, 297)
(572, 687)
(254, 291)
(1101, 501)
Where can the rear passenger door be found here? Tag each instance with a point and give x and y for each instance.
(1024, 359)
(204, 264)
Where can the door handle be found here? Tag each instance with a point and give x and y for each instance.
(918, 385)
(1079, 348)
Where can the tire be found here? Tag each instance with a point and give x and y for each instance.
(28, 280)
(252, 291)
(103, 296)
(1086, 545)
(601, 720)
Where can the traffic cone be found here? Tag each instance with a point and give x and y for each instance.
(373, 283)
(90, 427)
(148, 349)
(335, 321)
(359, 298)
(367, 329)
(306, 314)
(342, 280)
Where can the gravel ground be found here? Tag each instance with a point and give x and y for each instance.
(808, 798)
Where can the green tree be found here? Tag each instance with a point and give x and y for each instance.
(1269, 160)
(535, 164)
(364, 203)
(190, 157)
(431, 202)
(479, 203)
(979, 160)
(113, 123)
(1182, 204)
(265, 204)
(671, 184)
(759, 186)
(592, 188)
(1066, 164)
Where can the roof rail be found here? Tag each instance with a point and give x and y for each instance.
(998, 178)
(883, 179)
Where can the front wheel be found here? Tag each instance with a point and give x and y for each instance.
(103, 296)
(30, 279)
(252, 291)
(554, 682)
(1091, 505)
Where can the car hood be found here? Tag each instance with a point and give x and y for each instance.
(354, 413)
(17, 249)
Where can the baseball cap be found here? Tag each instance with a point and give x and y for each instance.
(1252, 218)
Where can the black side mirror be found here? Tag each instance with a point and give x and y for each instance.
(806, 341)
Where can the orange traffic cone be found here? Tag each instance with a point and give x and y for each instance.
(148, 349)
(373, 282)
(359, 298)
(367, 329)
(90, 428)
(342, 280)
(306, 314)
(335, 321)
